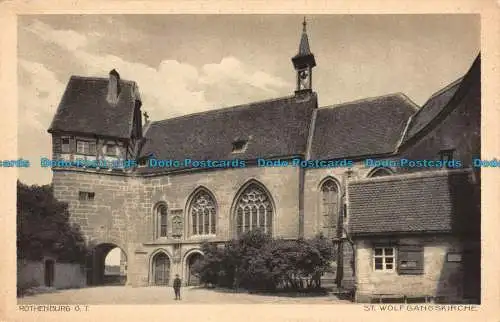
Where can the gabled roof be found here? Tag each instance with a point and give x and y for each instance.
(431, 201)
(366, 127)
(438, 103)
(84, 108)
(431, 108)
(272, 128)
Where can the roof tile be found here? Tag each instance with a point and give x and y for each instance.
(426, 202)
(84, 108)
(361, 128)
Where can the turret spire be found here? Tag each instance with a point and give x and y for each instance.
(304, 41)
(303, 63)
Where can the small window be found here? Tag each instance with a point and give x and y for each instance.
(86, 196)
(162, 220)
(143, 162)
(86, 147)
(384, 258)
(92, 148)
(446, 155)
(82, 147)
(65, 147)
(111, 150)
(239, 146)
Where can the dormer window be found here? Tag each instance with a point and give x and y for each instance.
(239, 146)
(446, 155)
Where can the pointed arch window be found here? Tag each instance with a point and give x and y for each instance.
(254, 211)
(202, 212)
(161, 220)
(329, 207)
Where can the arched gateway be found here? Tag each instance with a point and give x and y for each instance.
(96, 266)
(192, 259)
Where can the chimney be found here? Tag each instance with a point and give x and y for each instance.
(113, 87)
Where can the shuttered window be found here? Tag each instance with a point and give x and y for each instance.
(410, 260)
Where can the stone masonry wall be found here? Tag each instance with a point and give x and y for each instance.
(122, 211)
(312, 193)
(440, 278)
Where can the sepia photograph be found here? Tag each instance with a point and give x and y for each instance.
(180, 159)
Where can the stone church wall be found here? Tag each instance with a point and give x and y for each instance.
(122, 209)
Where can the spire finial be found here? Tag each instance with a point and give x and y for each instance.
(304, 25)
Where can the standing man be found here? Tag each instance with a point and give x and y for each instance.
(177, 287)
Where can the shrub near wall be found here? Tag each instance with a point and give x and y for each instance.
(43, 227)
(259, 262)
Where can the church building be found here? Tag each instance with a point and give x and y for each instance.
(159, 215)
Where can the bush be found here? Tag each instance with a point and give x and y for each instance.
(26, 288)
(43, 226)
(261, 263)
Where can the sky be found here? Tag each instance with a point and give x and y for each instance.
(191, 63)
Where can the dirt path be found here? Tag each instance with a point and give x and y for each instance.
(165, 295)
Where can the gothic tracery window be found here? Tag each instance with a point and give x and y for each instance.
(202, 212)
(254, 211)
(329, 207)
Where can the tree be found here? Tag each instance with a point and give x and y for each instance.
(43, 226)
(256, 261)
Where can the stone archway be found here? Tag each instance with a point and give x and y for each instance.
(160, 269)
(192, 279)
(96, 266)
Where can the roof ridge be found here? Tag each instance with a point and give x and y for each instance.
(413, 176)
(368, 99)
(221, 110)
(444, 89)
(94, 78)
(436, 94)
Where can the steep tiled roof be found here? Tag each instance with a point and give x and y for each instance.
(84, 108)
(432, 108)
(366, 127)
(439, 102)
(272, 128)
(432, 201)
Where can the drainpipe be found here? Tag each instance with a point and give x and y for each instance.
(344, 230)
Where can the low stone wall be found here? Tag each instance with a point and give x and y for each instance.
(66, 275)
